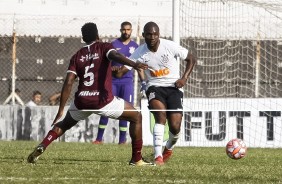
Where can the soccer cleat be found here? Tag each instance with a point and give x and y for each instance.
(141, 162)
(33, 157)
(166, 154)
(159, 160)
(122, 143)
(97, 142)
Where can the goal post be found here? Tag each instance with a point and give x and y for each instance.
(235, 90)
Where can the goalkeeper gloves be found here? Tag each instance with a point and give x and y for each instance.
(143, 89)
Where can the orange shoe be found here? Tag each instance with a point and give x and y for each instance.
(97, 142)
(166, 154)
(159, 160)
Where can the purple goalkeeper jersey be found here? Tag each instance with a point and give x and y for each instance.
(126, 50)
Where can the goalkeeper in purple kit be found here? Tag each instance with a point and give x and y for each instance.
(122, 87)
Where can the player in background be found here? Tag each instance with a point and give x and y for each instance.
(164, 85)
(91, 64)
(122, 87)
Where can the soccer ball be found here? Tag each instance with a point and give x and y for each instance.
(236, 149)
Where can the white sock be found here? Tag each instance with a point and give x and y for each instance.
(158, 136)
(171, 141)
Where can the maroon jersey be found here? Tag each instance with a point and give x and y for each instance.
(93, 69)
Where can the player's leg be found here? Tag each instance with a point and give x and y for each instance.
(125, 91)
(72, 117)
(174, 102)
(125, 111)
(52, 135)
(103, 122)
(174, 122)
(135, 129)
(157, 103)
(158, 130)
(101, 129)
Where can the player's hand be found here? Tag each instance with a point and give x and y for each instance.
(138, 66)
(118, 71)
(116, 68)
(143, 89)
(58, 116)
(180, 83)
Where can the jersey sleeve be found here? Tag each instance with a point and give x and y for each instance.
(72, 65)
(179, 51)
(107, 48)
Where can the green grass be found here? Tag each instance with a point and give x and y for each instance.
(108, 163)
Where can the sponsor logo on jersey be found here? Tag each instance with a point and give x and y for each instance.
(89, 93)
(160, 72)
(118, 48)
(88, 57)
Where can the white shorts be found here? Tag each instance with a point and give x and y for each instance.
(113, 110)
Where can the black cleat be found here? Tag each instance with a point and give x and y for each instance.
(32, 158)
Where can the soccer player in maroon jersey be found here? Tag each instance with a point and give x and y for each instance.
(91, 64)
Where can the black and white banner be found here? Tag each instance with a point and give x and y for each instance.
(206, 123)
(213, 122)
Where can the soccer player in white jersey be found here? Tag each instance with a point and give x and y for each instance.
(164, 85)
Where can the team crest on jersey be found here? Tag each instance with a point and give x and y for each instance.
(87, 57)
(164, 59)
(131, 50)
(152, 96)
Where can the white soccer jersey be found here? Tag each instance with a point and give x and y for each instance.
(163, 64)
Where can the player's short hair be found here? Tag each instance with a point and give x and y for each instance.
(149, 25)
(125, 23)
(89, 32)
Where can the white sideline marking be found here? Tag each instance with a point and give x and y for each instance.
(133, 110)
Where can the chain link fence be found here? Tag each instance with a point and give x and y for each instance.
(44, 45)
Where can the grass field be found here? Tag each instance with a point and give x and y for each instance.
(108, 163)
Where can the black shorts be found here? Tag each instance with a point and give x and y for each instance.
(171, 97)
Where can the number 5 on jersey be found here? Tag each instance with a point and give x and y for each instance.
(89, 74)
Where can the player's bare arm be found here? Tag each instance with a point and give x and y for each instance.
(190, 63)
(65, 93)
(114, 55)
(118, 72)
(141, 75)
